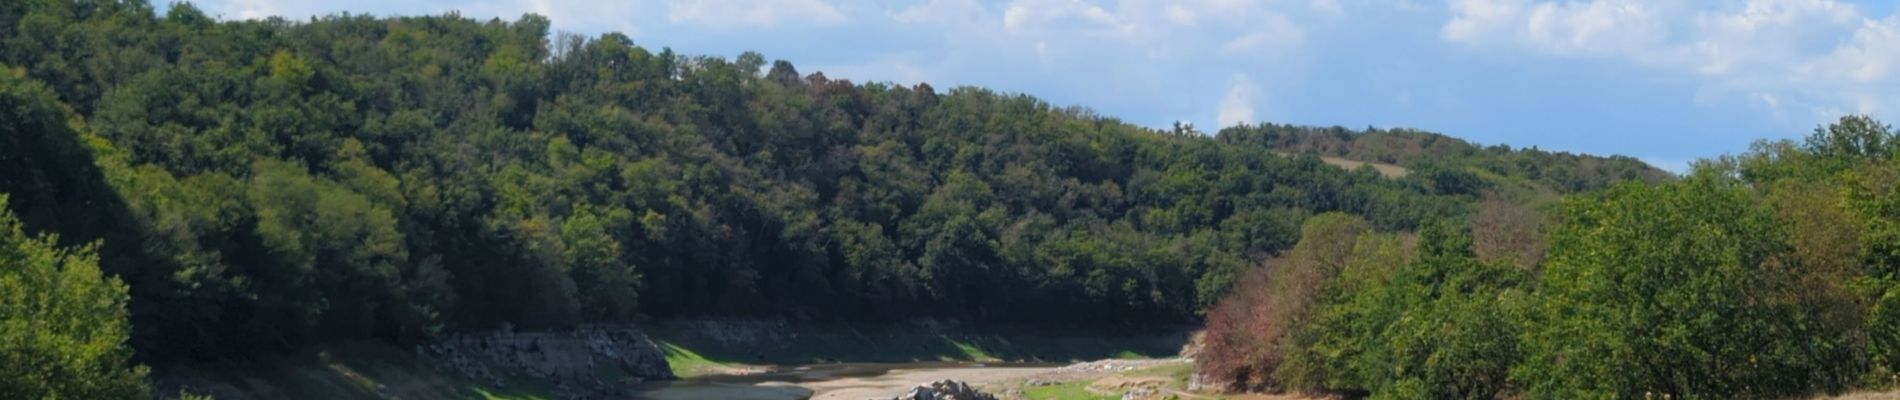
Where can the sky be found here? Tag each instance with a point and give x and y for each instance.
(1667, 81)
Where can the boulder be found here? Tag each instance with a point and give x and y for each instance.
(945, 390)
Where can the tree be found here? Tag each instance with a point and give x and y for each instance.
(1443, 325)
(1251, 332)
(63, 326)
(1853, 136)
(1688, 290)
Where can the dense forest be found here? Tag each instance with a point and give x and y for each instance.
(222, 189)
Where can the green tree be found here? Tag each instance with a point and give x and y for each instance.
(1443, 325)
(1685, 289)
(63, 326)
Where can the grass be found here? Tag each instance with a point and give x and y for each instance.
(1078, 390)
(687, 363)
(1389, 170)
(1176, 376)
(351, 371)
(691, 355)
(1178, 373)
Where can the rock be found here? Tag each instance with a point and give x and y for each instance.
(568, 358)
(1143, 394)
(738, 332)
(945, 390)
(1200, 382)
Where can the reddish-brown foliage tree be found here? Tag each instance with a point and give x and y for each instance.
(1248, 333)
(1507, 229)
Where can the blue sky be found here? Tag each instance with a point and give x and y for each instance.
(1667, 81)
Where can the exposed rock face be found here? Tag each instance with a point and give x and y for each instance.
(569, 358)
(737, 332)
(945, 390)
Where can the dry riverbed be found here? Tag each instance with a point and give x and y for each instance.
(857, 381)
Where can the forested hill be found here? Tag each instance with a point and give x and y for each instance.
(265, 185)
(1432, 152)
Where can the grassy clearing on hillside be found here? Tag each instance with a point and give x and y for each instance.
(1389, 170)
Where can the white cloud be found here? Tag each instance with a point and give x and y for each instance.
(1276, 33)
(1144, 46)
(572, 16)
(1817, 54)
(1329, 7)
(1603, 27)
(1061, 15)
(253, 9)
(941, 12)
(756, 14)
(1237, 107)
(1872, 56)
(1180, 15)
(1042, 53)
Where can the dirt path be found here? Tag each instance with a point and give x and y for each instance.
(870, 381)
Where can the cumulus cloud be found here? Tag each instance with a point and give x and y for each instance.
(1815, 53)
(1604, 27)
(941, 12)
(764, 14)
(1237, 107)
(1275, 33)
(1062, 15)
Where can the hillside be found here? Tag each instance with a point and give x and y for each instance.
(1562, 171)
(267, 187)
(1768, 274)
(319, 206)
